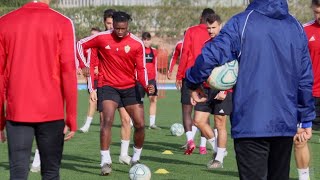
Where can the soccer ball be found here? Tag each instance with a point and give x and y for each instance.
(224, 77)
(140, 172)
(177, 129)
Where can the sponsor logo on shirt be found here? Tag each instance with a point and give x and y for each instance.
(107, 47)
(312, 38)
(127, 48)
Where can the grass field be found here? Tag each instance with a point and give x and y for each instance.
(81, 157)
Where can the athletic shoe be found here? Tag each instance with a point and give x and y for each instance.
(35, 169)
(125, 160)
(214, 164)
(191, 147)
(84, 129)
(132, 163)
(106, 169)
(215, 154)
(202, 150)
(155, 127)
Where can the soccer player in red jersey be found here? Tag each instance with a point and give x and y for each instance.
(194, 39)
(50, 56)
(122, 54)
(175, 55)
(151, 66)
(301, 149)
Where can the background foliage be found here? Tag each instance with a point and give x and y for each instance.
(164, 21)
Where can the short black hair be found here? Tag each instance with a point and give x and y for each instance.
(108, 13)
(146, 35)
(213, 18)
(206, 12)
(120, 16)
(315, 2)
(96, 29)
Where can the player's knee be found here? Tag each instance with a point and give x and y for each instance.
(139, 125)
(300, 145)
(107, 122)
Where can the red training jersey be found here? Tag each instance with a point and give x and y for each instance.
(175, 55)
(151, 63)
(37, 66)
(312, 30)
(193, 42)
(118, 59)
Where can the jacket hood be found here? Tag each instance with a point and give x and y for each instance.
(276, 9)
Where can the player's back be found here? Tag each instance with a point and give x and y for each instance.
(32, 36)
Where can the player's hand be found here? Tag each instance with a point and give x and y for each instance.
(151, 89)
(2, 136)
(93, 96)
(178, 84)
(197, 96)
(303, 134)
(169, 75)
(96, 70)
(221, 96)
(86, 71)
(68, 135)
(79, 71)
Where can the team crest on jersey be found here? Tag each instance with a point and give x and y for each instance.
(127, 48)
(107, 47)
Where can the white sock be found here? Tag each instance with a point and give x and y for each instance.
(88, 121)
(124, 147)
(304, 174)
(212, 141)
(203, 142)
(194, 131)
(36, 160)
(136, 154)
(220, 154)
(105, 157)
(189, 135)
(152, 120)
(215, 131)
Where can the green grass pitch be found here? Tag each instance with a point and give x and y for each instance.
(81, 157)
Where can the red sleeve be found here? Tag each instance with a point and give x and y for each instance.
(155, 62)
(184, 55)
(174, 58)
(84, 44)
(68, 74)
(2, 93)
(92, 65)
(140, 61)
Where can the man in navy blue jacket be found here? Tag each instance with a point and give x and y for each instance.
(274, 87)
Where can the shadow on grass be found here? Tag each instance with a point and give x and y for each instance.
(169, 161)
(5, 165)
(79, 164)
(222, 172)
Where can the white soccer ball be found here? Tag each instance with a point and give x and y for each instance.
(224, 77)
(140, 172)
(177, 129)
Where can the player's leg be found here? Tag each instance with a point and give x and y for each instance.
(20, 138)
(91, 110)
(124, 158)
(302, 156)
(200, 120)
(132, 101)
(220, 123)
(108, 100)
(153, 106)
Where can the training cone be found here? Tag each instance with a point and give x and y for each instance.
(161, 171)
(167, 152)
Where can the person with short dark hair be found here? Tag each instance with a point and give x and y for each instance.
(122, 55)
(151, 67)
(273, 92)
(194, 39)
(107, 18)
(38, 79)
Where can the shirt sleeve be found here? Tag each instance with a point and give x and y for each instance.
(92, 65)
(2, 84)
(140, 61)
(155, 62)
(85, 44)
(224, 48)
(68, 74)
(306, 108)
(185, 55)
(174, 58)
